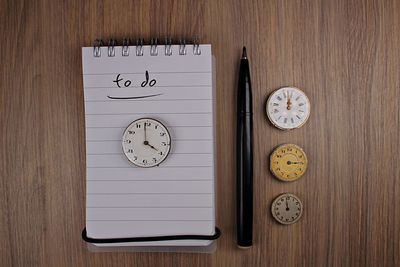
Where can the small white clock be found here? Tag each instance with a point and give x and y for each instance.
(288, 108)
(287, 209)
(146, 142)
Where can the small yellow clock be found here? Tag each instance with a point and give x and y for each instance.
(288, 162)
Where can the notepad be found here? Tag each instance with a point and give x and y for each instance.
(176, 197)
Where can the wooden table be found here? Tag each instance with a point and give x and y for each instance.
(344, 54)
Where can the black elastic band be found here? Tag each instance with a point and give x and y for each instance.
(150, 238)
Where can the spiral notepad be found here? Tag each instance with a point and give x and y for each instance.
(172, 203)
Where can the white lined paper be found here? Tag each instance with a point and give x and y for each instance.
(176, 198)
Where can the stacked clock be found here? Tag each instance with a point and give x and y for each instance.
(288, 108)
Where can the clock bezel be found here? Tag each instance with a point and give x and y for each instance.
(271, 160)
(169, 146)
(273, 204)
(270, 116)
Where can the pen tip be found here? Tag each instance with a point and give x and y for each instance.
(244, 54)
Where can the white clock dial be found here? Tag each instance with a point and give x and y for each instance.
(287, 209)
(288, 108)
(146, 142)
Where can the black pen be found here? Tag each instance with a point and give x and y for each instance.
(244, 156)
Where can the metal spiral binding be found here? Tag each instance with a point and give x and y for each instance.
(168, 46)
(139, 47)
(126, 43)
(153, 47)
(182, 47)
(125, 47)
(196, 47)
(98, 43)
(111, 48)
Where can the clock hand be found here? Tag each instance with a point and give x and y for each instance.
(152, 147)
(294, 162)
(145, 138)
(146, 143)
(289, 103)
(287, 205)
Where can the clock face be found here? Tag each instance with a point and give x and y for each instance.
(287, 209)
(146, 142)
(288, 162)
(288, 108)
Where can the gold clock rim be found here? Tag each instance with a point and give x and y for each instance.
(169, 148)
(276, 125)
(274, 202)
(277, 148)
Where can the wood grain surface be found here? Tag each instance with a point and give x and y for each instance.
(344, 54)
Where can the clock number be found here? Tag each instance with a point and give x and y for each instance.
(138, 125)
(145, 161)
(131, 132)
(130, 151)
(162, 134)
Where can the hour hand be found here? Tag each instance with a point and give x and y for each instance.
(146, 143)
(153, 147)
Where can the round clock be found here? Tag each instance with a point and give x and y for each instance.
(146, 142)
(288, 162)
(288, 108)
(287, 209)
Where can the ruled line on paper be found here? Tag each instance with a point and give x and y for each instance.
(155, 86)
(171, 153)
(118, 127)
(141, 113)
(160, 167)
(151, 207)
(147, 180)
(143, 193)
(144, 220)
(114, 140)
(154, 72)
